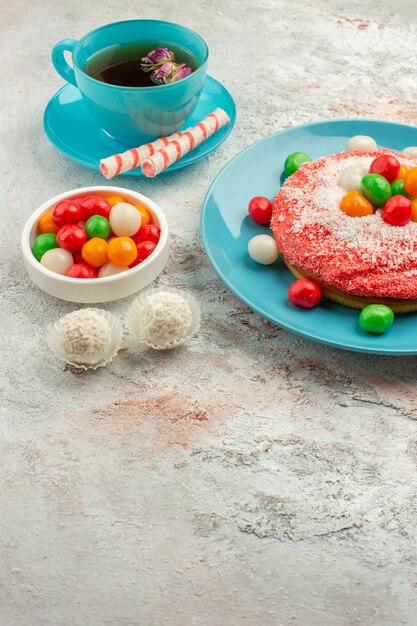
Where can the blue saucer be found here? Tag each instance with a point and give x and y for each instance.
(71, 129)
(226, 230)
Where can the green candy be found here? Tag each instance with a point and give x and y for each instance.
(43, 243)
(376, 189)
(97, 226)
(397, 189)
(376, 318)
(294, 161)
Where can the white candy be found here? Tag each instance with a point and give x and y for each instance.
(351, 178)
(125, 219)
(412, 151)
(108, 269)
(361, 142)
(85, 336)
(263, 249)
(57, 260)
(164, 318)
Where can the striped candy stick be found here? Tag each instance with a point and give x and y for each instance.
(187, 141)
(126, 161)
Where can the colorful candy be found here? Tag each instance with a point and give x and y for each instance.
(414, 210)
(143, 250)
(67, 212)
(71, 237)
(125, 219)
(95, 205)
(386, 165)
(410, 182)
(122, 251)
(376, 189)
(294, 161)
(145, 215)
(376, 318)
(112, 200)
(355, 204)
(397, 211)
(402, 172)
(398, 189)
(260, 210)
(57, 260)
(304, 293)
(43, 243)
(147, 232)
(262, 249)
(412, 151)
(81, 270)
(97, 226)
(77, 238)
(95, 252)
(361, 142)
(109, 269)
(351, 178)
(46, 223)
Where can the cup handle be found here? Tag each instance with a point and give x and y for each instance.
(59, 61)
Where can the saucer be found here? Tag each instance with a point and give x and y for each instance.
(72, 130)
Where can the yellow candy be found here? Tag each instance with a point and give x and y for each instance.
(115, 200)
(146, 216)
(355, 204)
(414, 208)
(122, 251)
(95, 252)
(402, 172)
(410, 182)
(46, 225)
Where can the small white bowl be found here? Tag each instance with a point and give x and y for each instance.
(91, 290)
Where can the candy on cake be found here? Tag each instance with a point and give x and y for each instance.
(86, 338)
(163, 319)
(355, 262)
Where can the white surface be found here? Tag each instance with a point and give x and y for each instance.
(250, 477)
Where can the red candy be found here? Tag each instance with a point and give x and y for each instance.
(95, 205)
(82, 270)
(148, 232)
(144, 248)
(397, 211)
(67, 212)
(78, 257)
(386, 165)
(71, 237)
(304, 293)
(260, 210)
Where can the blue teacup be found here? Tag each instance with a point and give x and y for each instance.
(135, 115)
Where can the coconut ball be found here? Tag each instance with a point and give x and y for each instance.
(85, 337)
(164, 318)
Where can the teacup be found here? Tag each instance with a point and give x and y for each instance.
(135, 115)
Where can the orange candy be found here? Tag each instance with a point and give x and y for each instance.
(414, 209)
(46, 225)
(410, 182)
(115, 200)
(402, 172)
(146, 216)
(122, 251)
(355, 204)
(95, 252)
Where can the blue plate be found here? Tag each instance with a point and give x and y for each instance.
(72, 130)
(226, 230)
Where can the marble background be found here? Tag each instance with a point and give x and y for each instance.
(252, 477)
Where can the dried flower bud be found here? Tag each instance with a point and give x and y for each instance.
(155, 58)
